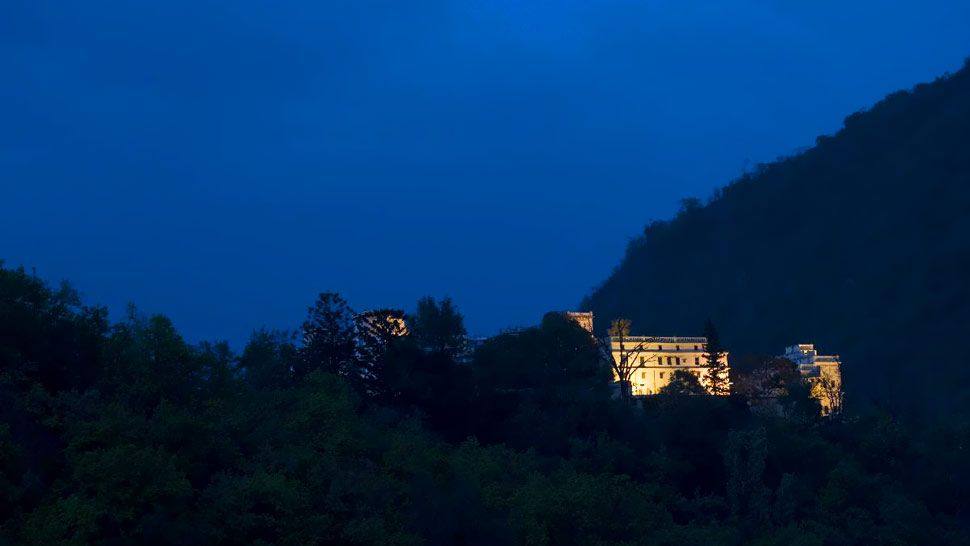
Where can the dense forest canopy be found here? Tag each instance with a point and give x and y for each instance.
(349, 431)
(860, 245)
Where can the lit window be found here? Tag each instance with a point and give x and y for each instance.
(643, 375)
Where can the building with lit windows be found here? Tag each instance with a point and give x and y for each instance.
(656, 358)
(653, 359)
(822, 372)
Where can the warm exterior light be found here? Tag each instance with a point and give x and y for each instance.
(653, 366)
(823, 373)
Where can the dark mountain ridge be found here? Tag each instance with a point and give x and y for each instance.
(860, 244)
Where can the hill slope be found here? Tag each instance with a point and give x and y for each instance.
(860, 244)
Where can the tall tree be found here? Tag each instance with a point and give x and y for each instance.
(718, 382)
(624, 360)
(47, 334)
(377, 331)
(329, 340)
(439, 327)
(537, 386)
(269, 359)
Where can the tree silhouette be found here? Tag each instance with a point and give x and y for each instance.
(718, 382)
(269, 360)
(623, 361)
(377, 331)
(683, 383)
(329, 341)
(173, 442)
(830, 394)
(438, 326)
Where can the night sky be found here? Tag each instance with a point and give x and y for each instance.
(223, 162)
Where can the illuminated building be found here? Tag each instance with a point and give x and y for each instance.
(584, 319)
(650, 360)
(653, 360)
(824, 374)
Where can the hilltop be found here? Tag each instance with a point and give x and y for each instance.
(860, 244)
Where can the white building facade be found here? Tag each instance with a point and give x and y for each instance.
(655, 358)
(822, 372)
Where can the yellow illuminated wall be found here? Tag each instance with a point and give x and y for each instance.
(822, 372)
(656, 358)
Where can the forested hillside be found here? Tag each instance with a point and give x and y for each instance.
(120, 432)
(860, 244)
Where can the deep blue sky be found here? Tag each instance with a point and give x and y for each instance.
(222, 162)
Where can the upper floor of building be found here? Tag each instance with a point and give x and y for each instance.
(805, 354)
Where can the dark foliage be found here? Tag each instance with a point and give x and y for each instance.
(328, 338)
(860, 244)
(438, 327)
(126, 434)
(714, 357)
(683, 383)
